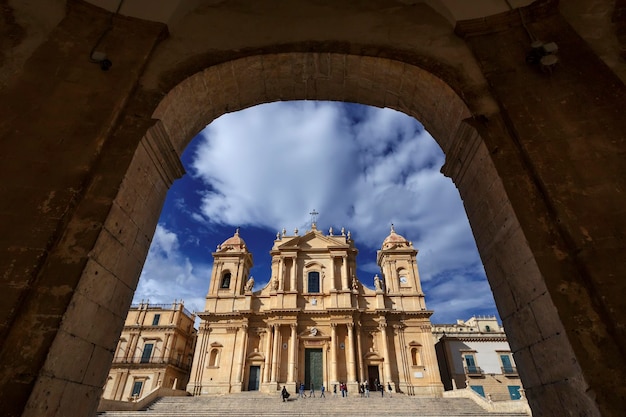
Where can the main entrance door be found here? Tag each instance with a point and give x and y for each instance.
(373, 377)
(313, 368)
(255, 377)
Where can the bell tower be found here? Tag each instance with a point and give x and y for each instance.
(231, 267)
(398, 264)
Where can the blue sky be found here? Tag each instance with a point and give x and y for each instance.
(266, 168)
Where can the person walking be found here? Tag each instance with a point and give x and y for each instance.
(334, 390)
(284, 394)
(323, 389)
(389, 389)
(301, 392)
(312, 391)
(367, 390)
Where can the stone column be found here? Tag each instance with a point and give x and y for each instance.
(387, 363)
(242, 355)
(217, 275)
(344, 273)
(333, 353)
(268, 354)
(197, 370)
(166, 345)
(351, 363)
(359, 349)
(293, 346)
(281, 274)
(129, 345)
(293, 286)
(334, 273)
(275, 352)
(133, 350)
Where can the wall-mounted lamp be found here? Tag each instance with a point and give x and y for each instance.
(98, 57)
(101, 59)
(544, 55)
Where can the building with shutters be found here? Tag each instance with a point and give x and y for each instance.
(476, 354)
(155, 350)
(314, 322)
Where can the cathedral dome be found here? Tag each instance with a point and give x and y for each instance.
(395, 240)
(234, 242)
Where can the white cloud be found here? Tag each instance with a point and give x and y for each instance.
(458, 297)
(361, 168)
(169, 274)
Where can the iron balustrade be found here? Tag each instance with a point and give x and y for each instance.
(155, 360)
(473, 370)
(509, 370)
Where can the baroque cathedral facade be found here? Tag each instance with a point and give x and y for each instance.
(314, 322)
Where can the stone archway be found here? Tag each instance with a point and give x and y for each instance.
(553, 270)
(375, 81)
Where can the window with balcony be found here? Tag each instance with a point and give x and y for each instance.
(470, 365)
(147, 352)
(137, 386)
(507, 364)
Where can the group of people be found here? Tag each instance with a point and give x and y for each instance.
(300, 390)
(342, 387)
(364, 390)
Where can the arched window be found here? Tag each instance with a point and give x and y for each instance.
(416, 356)
(314, 282)
(214, 357)
(225, 280)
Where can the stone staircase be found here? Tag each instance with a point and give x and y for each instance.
(255, 404)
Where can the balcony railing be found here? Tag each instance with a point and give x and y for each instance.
(509, 370)
(142, 361)
(473, 371)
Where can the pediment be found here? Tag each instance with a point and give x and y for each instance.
(373, 356)
(256, 356)
(315, 240)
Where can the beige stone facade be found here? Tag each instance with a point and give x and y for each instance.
(314, 322)
(155, 350)
(475, 354)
